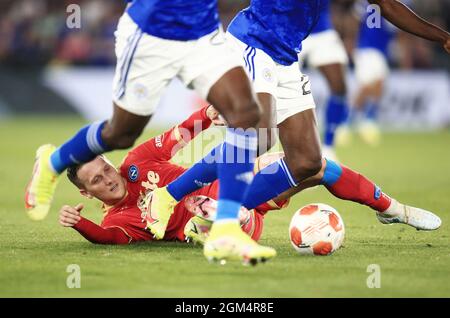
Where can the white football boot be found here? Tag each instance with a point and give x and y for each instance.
(415, 217)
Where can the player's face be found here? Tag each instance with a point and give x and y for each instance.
(102, 181)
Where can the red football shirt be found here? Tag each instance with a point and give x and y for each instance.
(147, 167)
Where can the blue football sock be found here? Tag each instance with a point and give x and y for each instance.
(196, 177)
(268, 184)
(351, 116)
(332, 173)
(235, 171)
(83, 147)
(371, 110)
(336, 114)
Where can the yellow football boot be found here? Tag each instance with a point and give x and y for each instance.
(344, 136)
(227, 241)
(370, 133)
(161, 208)
(197, 230)
(41, 188)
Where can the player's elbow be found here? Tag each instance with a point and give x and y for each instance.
(383, 4)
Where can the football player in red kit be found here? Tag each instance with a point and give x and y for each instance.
(126, 191)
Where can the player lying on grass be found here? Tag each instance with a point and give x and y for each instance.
(126, 193)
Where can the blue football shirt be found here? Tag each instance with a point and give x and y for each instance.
(180, 20)
(277, 27)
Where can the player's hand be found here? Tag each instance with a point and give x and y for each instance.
(447, 45)
(215, 117)
(70, 216)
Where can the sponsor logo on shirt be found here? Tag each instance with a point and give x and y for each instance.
(158, 141)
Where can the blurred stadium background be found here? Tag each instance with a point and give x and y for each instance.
(47, 68)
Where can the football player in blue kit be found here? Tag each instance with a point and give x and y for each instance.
(371, 70)
(156, 41)
(269, 35)
(376, 34)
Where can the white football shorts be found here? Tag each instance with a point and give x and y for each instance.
(370, 66)
(146, 65)
(290, 88)
(323, 48)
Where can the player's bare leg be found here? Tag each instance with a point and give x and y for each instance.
(370, 94)
(267, 131)
(238, 107)
(123, 129)
(301, 144)
(299, 137)
(233, 98)
(232, 95)
(337, 110)
(118, 133)
(361, 190)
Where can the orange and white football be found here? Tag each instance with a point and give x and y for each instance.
(316, 229)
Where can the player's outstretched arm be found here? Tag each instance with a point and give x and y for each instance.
(196, 123)
(404, 18)
(71, 217)
(165, 146)
(183, 133)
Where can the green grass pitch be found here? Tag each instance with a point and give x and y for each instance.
(414, 168)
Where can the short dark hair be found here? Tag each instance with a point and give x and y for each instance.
(72, 174)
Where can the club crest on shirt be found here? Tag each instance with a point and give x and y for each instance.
(133, 173)
(140, 91)
(267, 75)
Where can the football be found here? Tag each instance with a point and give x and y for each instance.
(316, 229)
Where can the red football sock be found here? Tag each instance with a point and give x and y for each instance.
(272, 205)
(248, 226)
(254, 224)
(355, 187)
